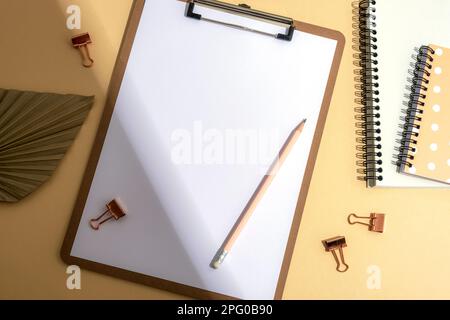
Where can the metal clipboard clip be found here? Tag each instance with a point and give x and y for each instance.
(245, 11)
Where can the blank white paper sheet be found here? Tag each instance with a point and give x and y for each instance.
(202, 112)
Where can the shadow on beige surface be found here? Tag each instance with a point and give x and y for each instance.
(40, 57)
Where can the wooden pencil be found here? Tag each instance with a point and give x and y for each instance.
(257, 196)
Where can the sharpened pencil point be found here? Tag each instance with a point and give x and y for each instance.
(300, 125)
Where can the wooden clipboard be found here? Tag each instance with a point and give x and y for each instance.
(114, 88)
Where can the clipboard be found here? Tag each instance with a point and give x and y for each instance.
(118, 75)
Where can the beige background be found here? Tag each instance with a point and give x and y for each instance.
(413, 254)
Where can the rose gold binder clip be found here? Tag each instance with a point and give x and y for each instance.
(81, 42)
(114, 210)
(336, 244)
(375, 224)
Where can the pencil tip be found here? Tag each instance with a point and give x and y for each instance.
(301, 124)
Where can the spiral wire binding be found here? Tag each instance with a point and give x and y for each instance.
(412, 114)
(367, 95)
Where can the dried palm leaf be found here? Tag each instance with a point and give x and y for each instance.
(36, 129)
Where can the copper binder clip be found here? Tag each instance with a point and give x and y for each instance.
(376, 221)
(114, 210)
(334, 244)
(81, 43)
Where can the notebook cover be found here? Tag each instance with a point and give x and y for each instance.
(429, 152)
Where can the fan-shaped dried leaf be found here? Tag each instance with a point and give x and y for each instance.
(36, 129)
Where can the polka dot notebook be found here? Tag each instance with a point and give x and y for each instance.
(425, 142)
